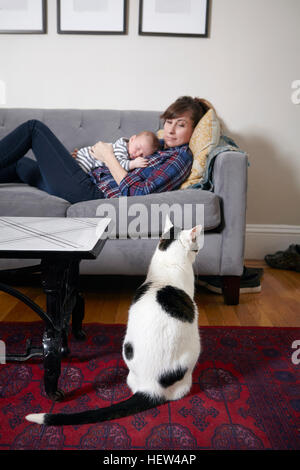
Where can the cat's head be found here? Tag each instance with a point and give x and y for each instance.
(175, 239)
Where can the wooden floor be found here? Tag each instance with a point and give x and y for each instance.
(107, 300)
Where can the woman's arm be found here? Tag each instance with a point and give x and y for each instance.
(104, 152)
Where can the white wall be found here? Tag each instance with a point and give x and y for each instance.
(246, 68)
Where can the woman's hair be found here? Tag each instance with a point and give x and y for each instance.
(197, 107)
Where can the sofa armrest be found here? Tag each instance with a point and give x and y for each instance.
(230, 184)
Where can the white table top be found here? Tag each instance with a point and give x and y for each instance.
(57, 234)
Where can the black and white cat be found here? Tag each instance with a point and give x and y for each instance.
(162, 342)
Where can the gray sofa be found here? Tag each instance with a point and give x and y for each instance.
(224, 209)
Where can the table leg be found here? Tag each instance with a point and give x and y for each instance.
(60, 281)
(52, 365)
(55, 285)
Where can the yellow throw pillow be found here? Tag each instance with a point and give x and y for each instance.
(160, 134)
(205, 137)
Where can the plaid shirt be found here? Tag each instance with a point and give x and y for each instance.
(166, 171)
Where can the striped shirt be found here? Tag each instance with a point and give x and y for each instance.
(167, 170)
(89, 163)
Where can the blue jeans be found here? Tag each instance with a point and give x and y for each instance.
(54, 170)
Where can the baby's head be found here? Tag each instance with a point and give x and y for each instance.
(143, 144)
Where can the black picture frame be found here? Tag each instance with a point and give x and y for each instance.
(60, 30)
(42, 30)
(143, 32)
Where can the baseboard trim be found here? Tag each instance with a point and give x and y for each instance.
(267, 239)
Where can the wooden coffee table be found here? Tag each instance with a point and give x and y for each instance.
(60, 244)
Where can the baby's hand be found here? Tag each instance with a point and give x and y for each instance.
(102, 151)
(74, 153)
(139, 162)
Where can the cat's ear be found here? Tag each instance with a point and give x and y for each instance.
(195, 233)
(195, 240)
(168, 224)
(192, 238)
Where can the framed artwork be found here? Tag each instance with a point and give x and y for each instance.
(92, 16)
(187, 18)
(23, 16)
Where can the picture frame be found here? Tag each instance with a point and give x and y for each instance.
(92, 16)
(181, 18)
(23, 16)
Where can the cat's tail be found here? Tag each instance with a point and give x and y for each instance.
(135, 404)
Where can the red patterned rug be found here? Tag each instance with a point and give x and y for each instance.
(245, 394)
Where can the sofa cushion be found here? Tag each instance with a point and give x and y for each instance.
(146, 214)
(22, 200)
(78, 128)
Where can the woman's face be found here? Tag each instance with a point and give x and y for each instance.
(178, 131)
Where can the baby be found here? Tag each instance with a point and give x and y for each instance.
(130, 153)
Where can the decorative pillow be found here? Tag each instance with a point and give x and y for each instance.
(205, 137)
(160, 134)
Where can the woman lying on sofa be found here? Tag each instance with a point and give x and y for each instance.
(56, 172)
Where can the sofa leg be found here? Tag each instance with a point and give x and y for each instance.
(231, 289)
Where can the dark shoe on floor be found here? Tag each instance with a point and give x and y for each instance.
(250, 281)
(288, 259)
